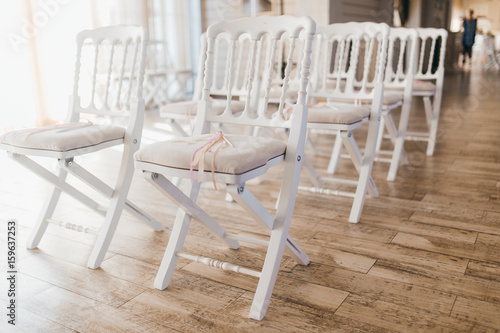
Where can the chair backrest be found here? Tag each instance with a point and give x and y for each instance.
(282, 62)
(431, 55)
(241, 64)
(198, 84)
(401, 58)
(109, 72)
(349, 60)
(265, 33)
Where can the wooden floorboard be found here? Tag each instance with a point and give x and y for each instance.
(425, 255)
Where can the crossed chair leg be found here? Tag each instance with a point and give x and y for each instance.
(363, 165)
(117, 196)
(277, 228)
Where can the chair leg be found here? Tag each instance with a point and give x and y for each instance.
(269, 272)
(399, 151)
(381, 132)
(280, 228)
(365, 178)
(184, 202)
(175, 242)
(181, 224)
(311, 143)
(81, 173)
(116, 206)
(277, 242)
(433, 132)
(428, 110)
(334, 159)
(115, 209)
(107, 230)
(394, 132)
(357, 159)
(254, 208)
(59, 183)
(46, 213)
(315, 178)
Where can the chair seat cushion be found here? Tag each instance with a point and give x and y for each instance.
(190, 108)
(392, 97)
(424, 86)
(333, 113)
(291, 94)
(62, 138)
(419, 87)
(248, 153)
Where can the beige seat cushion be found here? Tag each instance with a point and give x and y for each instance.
(62, 138)
(275, 94)
(424, 86)
(392, 97)
(420, 87)
(248, 153)
(337, 113)
(190, 108)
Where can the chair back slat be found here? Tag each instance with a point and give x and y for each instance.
(271, 69)
(229, 77)
(110, 71)
(94, 76)
(121, 70)
(288, 72)
(401, 58)
(132, 71)
(351, 60)
(109, 68)
(432, 52)
(265, 43)
(237, 54)
(253, 65)
(369, 44)
(198, 86)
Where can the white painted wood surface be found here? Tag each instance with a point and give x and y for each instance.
(272, 31)
(108, 81)
(348, 69)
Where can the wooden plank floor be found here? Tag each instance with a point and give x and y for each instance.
(424, 257)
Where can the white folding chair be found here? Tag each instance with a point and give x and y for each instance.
(398, 88)
(429, 82)
(242, 157)
(108, 82)
(182, 114)
(349, 64)
(398, 92)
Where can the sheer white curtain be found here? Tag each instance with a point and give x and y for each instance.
(16, 90)
(38, 59)
(38, 54)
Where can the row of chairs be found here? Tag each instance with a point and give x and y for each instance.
(415, 67)
(349, 64)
